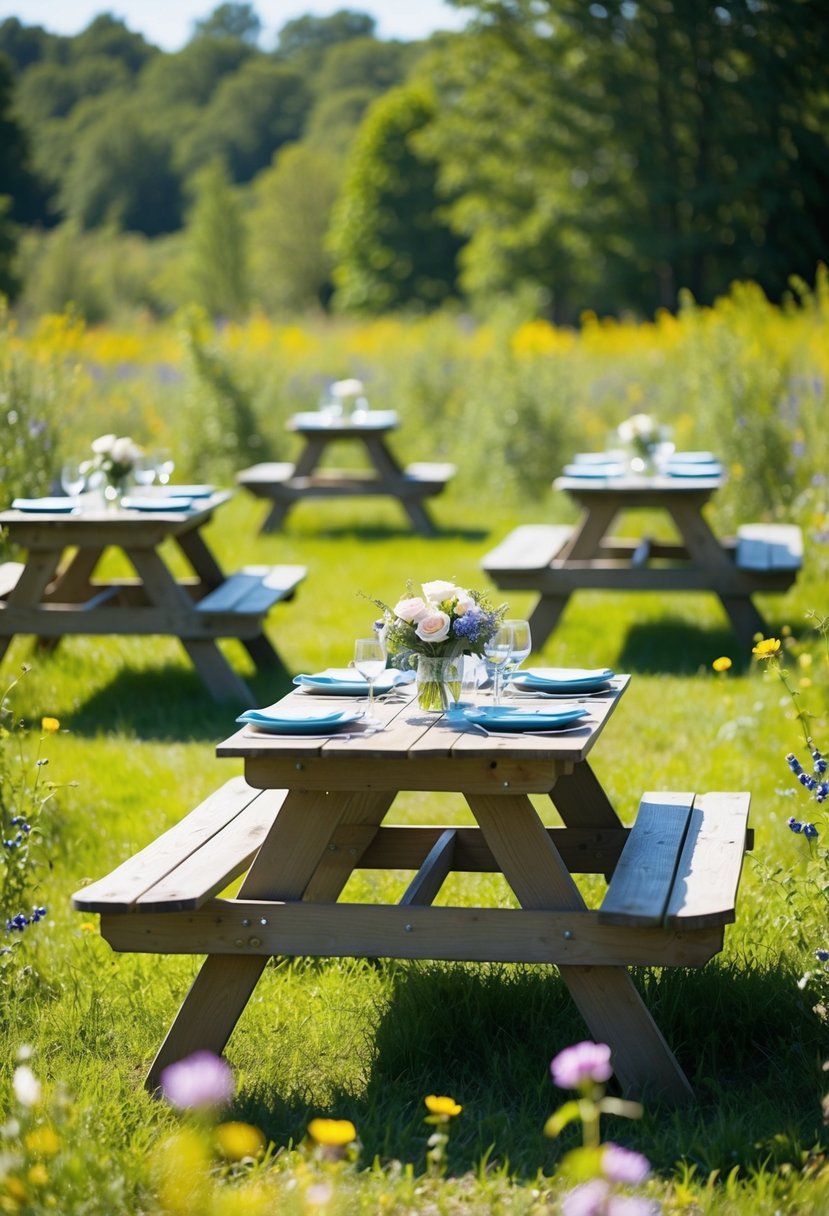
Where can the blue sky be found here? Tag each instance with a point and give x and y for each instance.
(169, 23)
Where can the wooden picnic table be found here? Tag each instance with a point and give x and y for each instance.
(287, 484)
(53, 594)
(309, 812)
(558, 560)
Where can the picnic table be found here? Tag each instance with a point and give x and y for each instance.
(558, 560)
(53, 594)
(310, 811)
(284, 485)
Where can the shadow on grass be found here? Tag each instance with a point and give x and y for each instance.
(170, 704)
(673, 646)
(384, 532)
(485, 1035)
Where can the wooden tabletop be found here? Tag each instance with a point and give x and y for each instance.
(95, 522)
(657, 485)
(345, 427)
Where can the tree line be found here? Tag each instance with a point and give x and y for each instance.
(605, 156)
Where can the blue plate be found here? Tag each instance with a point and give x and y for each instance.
(562, 679)
(191, 491)
(50, 506)
(346, 682)
(694, 458)
(593, 471)
(157, 504)
(298, 724)
(507, 717)
(698, 470)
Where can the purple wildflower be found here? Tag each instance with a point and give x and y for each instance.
(623, 1165)
(586, 1061)
(630, 1205)
(198, 1081)
(589, 1199)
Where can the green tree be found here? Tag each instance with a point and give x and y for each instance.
(611, 154)
(391, 247)
(21, 195)
(290, 215)
(26, 44)
(231, 21)
(108, 35)
(308, 38)
(217, 245)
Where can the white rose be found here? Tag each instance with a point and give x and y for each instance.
(347, 388)
(433, 627)
(102, 446)
(123, 450)
(411, 609)
(438, 590)
(463, 602)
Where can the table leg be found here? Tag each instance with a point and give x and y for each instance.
(29, 591)
(590, 531)
(605, 996)
(387, 466)
(545, 616)
(294, 862)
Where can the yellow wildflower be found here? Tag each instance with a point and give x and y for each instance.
(237, 1140)
(721, 664)
(332, 1133)
(43, 1140)
(442, 1106)
(767, 648)
(38, 1175)
(49, 724)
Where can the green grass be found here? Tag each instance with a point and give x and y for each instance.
(368, 1040)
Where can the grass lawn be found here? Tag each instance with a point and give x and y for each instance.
(367, 1040)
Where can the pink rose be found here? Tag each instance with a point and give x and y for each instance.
(411, 609)
(433, 627)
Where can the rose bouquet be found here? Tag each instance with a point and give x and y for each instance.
(114, 457)
(640, 434)
(432, 630)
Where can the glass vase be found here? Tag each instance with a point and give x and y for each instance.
(114, 491)
(438, 682)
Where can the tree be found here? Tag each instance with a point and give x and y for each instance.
(108, 35)
(217, 245)
(612, 154)
(290, 217)
(231, 21)
(308, 38)
(24, 194)
(390, 245)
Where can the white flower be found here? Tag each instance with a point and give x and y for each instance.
(411, 609)
(433, 627)
(102, 446)
(640, 426)
(463, 602)
(346, 389)
(26, 1086)
(438, 591)
(124, 451)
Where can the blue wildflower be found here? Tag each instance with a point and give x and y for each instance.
(822, 956)
(810, 831)
(794, 824)
(820, 762)
(794, 764)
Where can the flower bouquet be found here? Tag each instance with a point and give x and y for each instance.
(641, 436)
(349, 396)
(432, 630)
(113, 461)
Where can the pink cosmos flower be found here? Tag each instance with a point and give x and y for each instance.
(199, 1081)
(623, 1165)
(585, 1061)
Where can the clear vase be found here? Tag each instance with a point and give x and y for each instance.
(114, 491)
(438, 682)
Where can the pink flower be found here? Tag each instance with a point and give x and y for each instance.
(411, 609)
(623, 1165)
(433, 627)
(585, 1061)
(589, 1199)
(198, 1081)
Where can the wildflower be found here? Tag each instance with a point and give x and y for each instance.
(238, 1140)
(50, 725)
(623, 1165)
(586, 1061)
(38, 1175)
(26, 1086)
(199, 1081)
(810, 831)
(794, 824)
(332, 1133)
(767, 648)
(721, 664)
(822, 956)
(447, 1107)
(43, 1140)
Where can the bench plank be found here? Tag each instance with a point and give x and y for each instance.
(640, 889)
(529, 547)
(769, 547)
(253, 590)
(121, 890)
(705, 889)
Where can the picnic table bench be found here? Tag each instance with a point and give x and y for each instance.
(285, 485)
(309, 812)
(558, 560)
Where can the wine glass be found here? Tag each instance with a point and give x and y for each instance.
(72, 478)
(164, 465)
(497, 652)
(144, 471)
(522, 644)
(370, 661)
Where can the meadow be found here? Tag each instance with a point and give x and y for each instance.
(367, 1040)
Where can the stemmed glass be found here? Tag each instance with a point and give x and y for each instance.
(497, 652)
(522, 644)
(370, 661)
(72, 478)
(144, 471)
(164, 465)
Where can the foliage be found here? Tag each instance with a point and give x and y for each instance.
(217, 245)
(391, 247)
